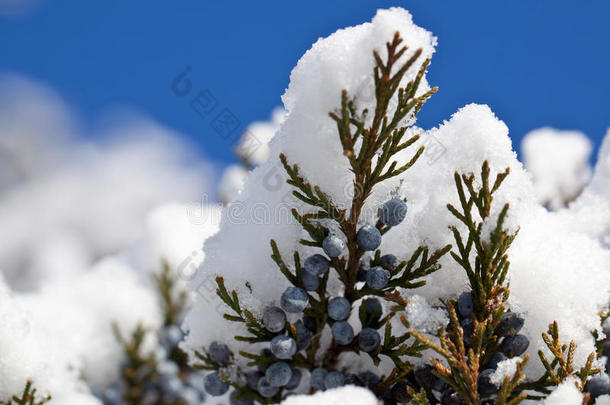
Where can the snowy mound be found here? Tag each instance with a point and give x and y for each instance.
(557, 273)
(559, 164)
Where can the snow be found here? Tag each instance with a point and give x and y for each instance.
(506, 368)
(231, 183)
(559, 164)
(345, 395)
(565, 394)
(66, 200)
(423, 317)
(558, 271)
(253, 146)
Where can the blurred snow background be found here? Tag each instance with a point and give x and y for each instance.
(85, 220)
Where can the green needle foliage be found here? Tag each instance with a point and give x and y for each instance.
(484, 259)
(27, 397)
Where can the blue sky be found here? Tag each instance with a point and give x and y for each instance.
(536, 63)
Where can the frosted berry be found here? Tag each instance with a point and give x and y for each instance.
(303, 335)
(373, 309)
(369, 339)
(495, 359)
(369, 379)
(333, 246)
(316, 264)
(510, 324)
(295, 380)
(294, 300)
(486, 387)
(393, 212)
(515, 345)
(342, 332)
(239, 399)
(465, 304)
(252, 378)
(278, 374)
(388, 261)
(334, 379)
(318, 375)
(425, 378)
(368, 238)
(339, 308)
(283, 347)
(309, 281)
(377, 277)
(220, 353)
(214, 385)
(274, 319)
(598, 385)
(266, 389)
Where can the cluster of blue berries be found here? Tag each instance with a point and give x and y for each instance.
(279, 376)
(168, 379)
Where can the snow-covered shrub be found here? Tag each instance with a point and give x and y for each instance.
(557, 272)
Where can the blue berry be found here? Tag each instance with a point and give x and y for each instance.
(369, 339)
(377, 277)
(352, 379)
(368, 238)
(295, 380)
(369, 379)
(495, 359)
(510, 324)
(515, 345)
(278, 374)
(339, 308)
(342, 332)
(252, 378)
(388, 261)
(309, 281)
(400, 394)
(373, 309)
(265, 389)
(294, 300)
(598, 385)
(426, 379)
(239, 399)
(486, 387)
(316, 265)
(303, 335)
(334, 379)
(214, 385)
(333, 246)
(393, 212)
(283, 347)
(318, 375)
(220, 353)
(274, 319)
(465, 304)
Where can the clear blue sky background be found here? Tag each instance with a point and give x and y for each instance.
(536, 63)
